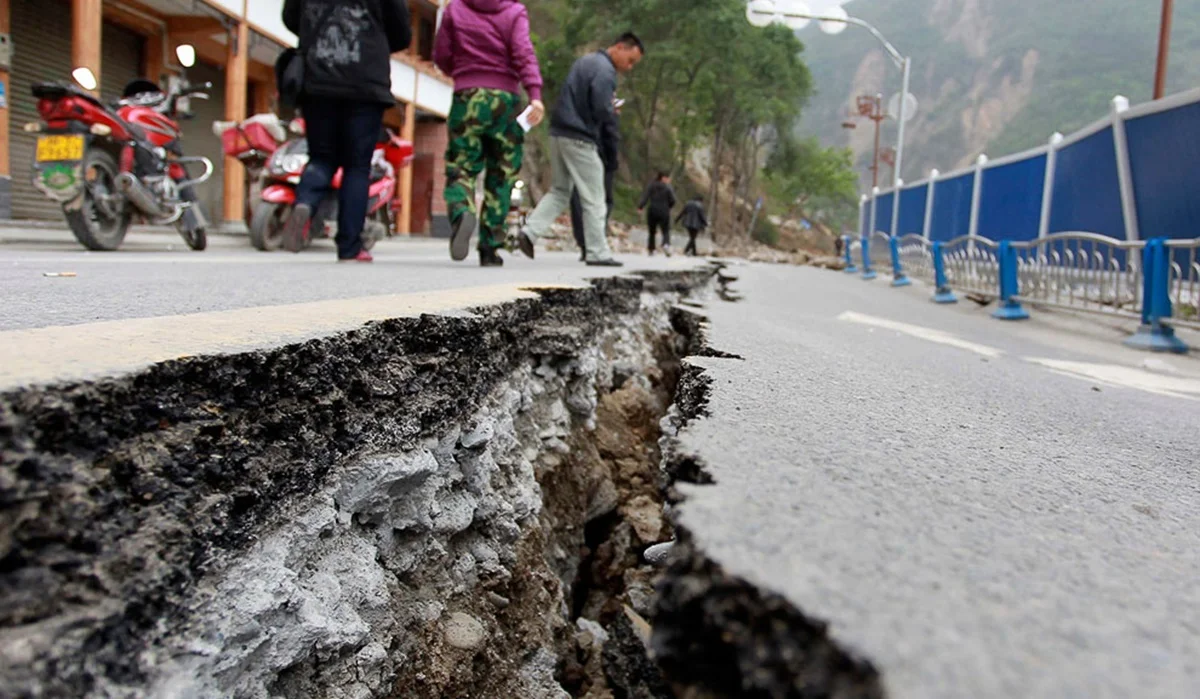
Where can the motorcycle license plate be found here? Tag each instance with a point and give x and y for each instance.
(59, 148)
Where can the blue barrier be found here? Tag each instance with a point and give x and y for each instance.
(952, 207)
(868, 273)
(1010, 201)
(1011, 308)
(1155, 335)
(1102, 221)
(883, 214)
(944, 294)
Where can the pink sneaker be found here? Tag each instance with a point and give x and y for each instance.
(364, 257)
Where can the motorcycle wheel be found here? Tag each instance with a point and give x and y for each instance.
(196, 239)
(102, 218)
(266, 226)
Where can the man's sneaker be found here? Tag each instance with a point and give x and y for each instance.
(605, 263)
(525, 243)
(668, 251)
(295, 230)
(460, 239)
(364, 257)
(488, 257)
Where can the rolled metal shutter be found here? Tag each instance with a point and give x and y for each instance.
(42, 53)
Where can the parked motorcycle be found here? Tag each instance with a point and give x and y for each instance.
(253, 142)
(284, 170)
(106, 164)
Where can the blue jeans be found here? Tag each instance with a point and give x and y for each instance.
(341, 134)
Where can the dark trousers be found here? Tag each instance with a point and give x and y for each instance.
(656, 220)
(341, 134)
(577, 209)
(691, 246)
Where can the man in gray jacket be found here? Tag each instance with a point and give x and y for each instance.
(585, 105)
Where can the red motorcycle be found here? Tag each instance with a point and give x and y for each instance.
(286, 167)
(253, 142)
(106, 164)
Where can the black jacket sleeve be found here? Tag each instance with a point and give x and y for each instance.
(397, 25)
(671, 201)
(646, 196)
(291, 15)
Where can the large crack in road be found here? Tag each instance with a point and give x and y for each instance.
(432, 507)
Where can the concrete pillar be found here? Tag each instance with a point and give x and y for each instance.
(87, 22)
(236, 85)
(154, 62)
(6, 81)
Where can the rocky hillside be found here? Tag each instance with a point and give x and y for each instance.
(993, 76)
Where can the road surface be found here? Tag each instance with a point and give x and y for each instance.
(981, 509)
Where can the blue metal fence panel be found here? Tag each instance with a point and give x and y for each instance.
(1164, 155)
(952, 207)
(1010, 204)
(1087, 189)
(912, 210)
(883, 214)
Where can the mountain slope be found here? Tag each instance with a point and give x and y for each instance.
(993, 76)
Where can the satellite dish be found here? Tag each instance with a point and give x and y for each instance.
(837, 12)
(910, 107)
(760, 13)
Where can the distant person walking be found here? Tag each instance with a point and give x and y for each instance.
(610, 153)
(585, 105)
(661, 199)
(346, 46)
(694, 220)
(485, 46)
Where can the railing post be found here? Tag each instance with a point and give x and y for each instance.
(868, 272)
(1010, 283)
(944, 293)
(899, 278)
(851, 268)
(1155, 335)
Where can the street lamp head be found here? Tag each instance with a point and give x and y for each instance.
(760, 13)
(794, 13)
(832, 25)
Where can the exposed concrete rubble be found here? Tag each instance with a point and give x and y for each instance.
(437, 507)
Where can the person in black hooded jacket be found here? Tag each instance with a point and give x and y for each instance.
(346, 46)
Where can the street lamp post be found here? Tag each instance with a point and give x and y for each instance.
(764, 12)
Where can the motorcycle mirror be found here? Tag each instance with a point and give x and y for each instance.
(186, 53)
(86, 78)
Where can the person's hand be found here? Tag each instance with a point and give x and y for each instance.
(538, 113)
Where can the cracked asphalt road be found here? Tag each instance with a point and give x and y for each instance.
(981, 509)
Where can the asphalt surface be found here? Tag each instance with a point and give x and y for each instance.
(156, 275)
(981, 509)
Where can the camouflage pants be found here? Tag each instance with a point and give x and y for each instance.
(484, 137)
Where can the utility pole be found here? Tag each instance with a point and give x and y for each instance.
(888, 156)
(1164, 49)
(872, 108)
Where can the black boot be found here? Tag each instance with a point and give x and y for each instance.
(488, 257)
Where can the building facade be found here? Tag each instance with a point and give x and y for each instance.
(237, 43)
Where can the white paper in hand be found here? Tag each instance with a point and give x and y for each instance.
(523, 119)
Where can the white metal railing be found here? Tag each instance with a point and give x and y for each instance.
(1082, 271)
(972, 266)
(1185, 281)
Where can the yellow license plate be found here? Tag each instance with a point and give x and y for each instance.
(55, 148)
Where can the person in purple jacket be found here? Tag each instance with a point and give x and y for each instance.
(485, 46)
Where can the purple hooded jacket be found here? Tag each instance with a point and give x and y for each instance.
(485, 43)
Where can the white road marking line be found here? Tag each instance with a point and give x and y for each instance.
(1124, 377)
(922, 333)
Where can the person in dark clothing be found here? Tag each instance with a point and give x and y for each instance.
(610, 149)
(694, 220)
(661, 199)
(346, 46)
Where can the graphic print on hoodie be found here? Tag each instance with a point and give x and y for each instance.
(339, 42)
